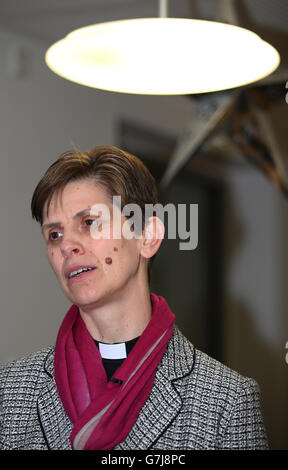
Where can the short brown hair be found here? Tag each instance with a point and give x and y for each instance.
(118, 172)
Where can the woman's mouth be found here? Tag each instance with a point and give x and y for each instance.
(81, 273)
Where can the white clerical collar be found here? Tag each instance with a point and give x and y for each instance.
(113, 351)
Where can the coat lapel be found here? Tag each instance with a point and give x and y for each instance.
(55, 424)
(164, 402)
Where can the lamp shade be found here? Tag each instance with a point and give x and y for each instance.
(162, 56)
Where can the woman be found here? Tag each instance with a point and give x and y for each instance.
(121, 375)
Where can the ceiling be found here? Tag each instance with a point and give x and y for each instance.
(49, 20)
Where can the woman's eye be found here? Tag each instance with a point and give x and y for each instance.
(90, 220)
(54, 236)
(96, 222)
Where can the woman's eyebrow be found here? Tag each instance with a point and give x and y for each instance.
(59, 224)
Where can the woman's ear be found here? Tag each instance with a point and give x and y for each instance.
(153, 235)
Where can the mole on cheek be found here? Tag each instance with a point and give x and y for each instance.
(108, 260)
(115, 249)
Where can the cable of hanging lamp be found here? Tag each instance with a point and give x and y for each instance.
(162, 56)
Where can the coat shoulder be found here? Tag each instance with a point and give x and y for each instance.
(209, 380)
(26, 369)
(203, 366)
(221, 408)
(31, 413)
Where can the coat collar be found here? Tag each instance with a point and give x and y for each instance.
(164, 402)
(160, 409)
(178, 359)
(55, 423)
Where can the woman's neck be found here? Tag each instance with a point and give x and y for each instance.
(121, 319)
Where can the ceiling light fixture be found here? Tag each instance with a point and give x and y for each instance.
(162, 56)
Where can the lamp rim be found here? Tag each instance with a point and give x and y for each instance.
(79, 34)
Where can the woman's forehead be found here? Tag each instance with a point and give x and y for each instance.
(76, 196)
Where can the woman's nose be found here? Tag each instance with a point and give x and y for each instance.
(71, 244)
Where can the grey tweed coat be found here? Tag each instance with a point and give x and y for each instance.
(195, 403)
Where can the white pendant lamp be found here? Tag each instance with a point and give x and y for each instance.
(162, 56)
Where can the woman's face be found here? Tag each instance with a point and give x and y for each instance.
(114, 264)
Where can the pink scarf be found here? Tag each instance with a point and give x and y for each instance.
(103, 412)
